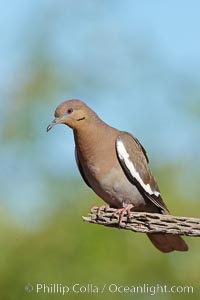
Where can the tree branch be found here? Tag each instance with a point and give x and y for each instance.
(146, 222)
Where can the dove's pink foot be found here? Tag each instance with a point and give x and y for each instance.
(122, 211)
(99, 208)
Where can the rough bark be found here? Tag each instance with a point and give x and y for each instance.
(145, 222)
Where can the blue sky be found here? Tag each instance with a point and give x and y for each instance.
(173, 26)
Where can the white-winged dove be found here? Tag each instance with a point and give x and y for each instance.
(115, 165)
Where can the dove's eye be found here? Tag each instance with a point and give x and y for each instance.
(69, 111)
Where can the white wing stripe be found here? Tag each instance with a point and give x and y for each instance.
(123, 154)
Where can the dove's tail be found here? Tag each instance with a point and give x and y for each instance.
(166, 242)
